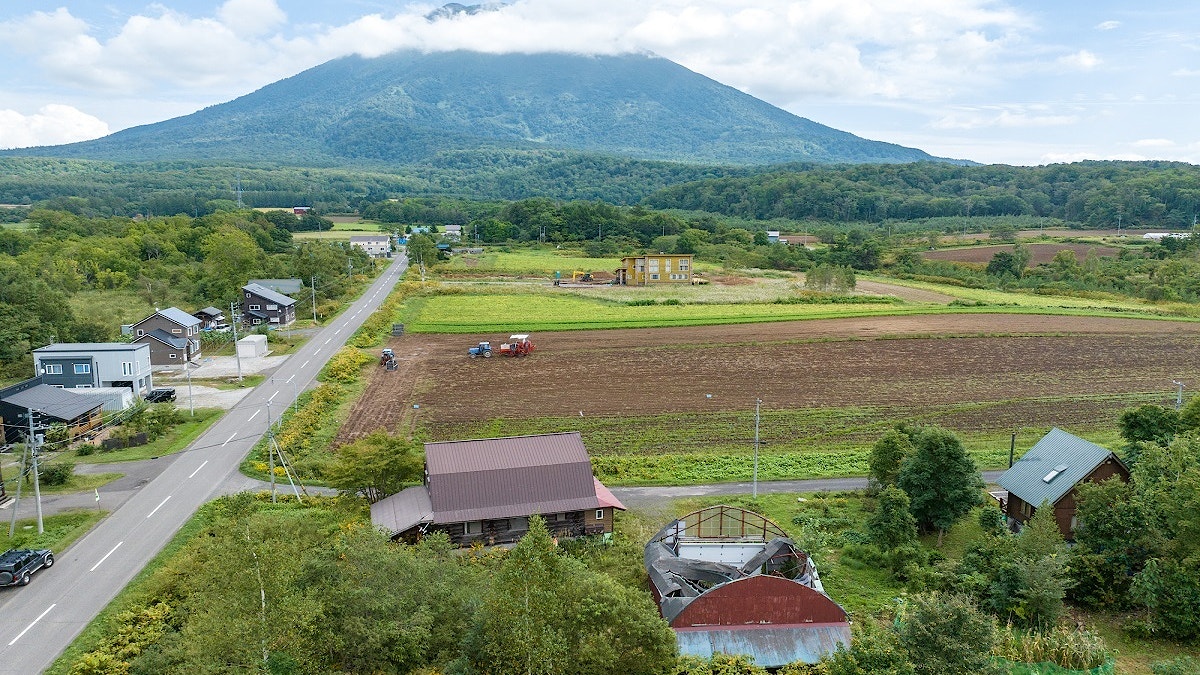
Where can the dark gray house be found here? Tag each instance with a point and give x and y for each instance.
(49, 405)
(95, 365)
(1050, 472)
(210, 317)
(173, 336)
(485, 490)
(263, 306)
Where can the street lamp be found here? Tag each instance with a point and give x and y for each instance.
(1179, 395)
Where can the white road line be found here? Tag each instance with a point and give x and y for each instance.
(336, 332)
(114, 549)
(193, 474)
(327, 341)
(231, 437)
(304, 366)
(289, 379)
(14, 640)
(160, 505)
(254, 415)
(272, 396)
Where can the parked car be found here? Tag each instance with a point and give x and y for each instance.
(161, 395)
(17, 564)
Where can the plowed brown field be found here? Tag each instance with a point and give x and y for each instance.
(901, 362)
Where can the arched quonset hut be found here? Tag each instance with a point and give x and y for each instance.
(729, 580)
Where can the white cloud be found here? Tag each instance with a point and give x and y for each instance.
(251, 17)
(1007, 117)
(1154, 143)
(922, 49)
(1081, 60)
(1108, 25)
(52, 125)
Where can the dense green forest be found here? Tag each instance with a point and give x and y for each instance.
(77, 279)
(171, 188)
(1085, 194)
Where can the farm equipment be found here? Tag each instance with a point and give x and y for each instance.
(387, 359)
(585, 277)
(517, 345)
(483, 349)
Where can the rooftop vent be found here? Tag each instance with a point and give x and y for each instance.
(1054, 474)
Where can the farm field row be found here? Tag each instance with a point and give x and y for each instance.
(675, 405)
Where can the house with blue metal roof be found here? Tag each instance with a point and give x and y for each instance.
(1050, 471)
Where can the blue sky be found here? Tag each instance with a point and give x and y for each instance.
(1018, 82)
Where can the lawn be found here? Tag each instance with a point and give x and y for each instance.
(60, 530)
(173, 441)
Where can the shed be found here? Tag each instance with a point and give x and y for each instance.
(114, 399)
(1050, 471)
(252, 346)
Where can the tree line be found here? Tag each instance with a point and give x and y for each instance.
(1091, 194)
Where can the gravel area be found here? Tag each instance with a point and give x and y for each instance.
(212, 368)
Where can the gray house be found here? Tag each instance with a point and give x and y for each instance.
(95, 365)
(48, 405)
(263, 306)
(173, 336)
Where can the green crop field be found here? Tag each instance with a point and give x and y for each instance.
(533, 262)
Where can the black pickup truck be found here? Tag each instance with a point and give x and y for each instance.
(161, 395)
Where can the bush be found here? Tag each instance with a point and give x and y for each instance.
(56, 473)
(1183, 665)
(345, 366)
(85, 450)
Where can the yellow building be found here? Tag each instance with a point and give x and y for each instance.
(655, 268)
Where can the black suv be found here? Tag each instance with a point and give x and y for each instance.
(16, 565)
(160, 395)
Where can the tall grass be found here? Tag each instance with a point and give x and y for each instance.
(1062, 646)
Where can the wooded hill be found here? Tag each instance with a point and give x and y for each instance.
(1094, 194)
(408, 108)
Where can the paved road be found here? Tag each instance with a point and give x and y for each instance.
(649, 498)
(41, 619)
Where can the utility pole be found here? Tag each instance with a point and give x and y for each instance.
(312, 282)
(1179, 395)
(757, 406)
(187, 369)
(1118, 225)
(236, 354)
(37, 489)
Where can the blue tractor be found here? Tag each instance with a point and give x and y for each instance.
(483, 349)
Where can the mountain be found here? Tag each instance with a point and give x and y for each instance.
(408, 107)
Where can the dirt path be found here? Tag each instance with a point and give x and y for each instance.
(902, 292)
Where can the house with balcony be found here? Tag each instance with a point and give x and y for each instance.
(263, 306)
(172, 334)
(485, 491)
(655, 268)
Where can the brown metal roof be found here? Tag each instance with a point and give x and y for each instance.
(403, 511)
(488, 454)
(505, 477)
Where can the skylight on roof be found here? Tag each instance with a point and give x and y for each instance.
(1054, 474)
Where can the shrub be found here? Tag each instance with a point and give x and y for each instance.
(56, 473)
(345, 366)
(1182, 665)
(85, 450)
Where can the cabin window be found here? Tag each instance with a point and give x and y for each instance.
(653, 276)
(1026, 509)
(272, 307)
(654, 265)
(127, 367)
(83, 368)
(171, 355)
(599, 514)
(177, 331)
(518, 524)
(684, 265)
(54, 369)
(1074, 522)
(253, 308)
(473, 527)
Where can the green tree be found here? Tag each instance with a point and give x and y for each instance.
(942, 481)
(874, 650)
(887, 455)
(546, 613)
(1189, 416)
(892, 525)
(949, 635)
(1149, 423)
(375, 466)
